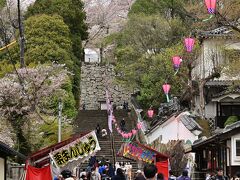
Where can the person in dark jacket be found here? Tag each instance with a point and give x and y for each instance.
(111, 170)
(150, 172)
(98, 130)
(122, 125)
(184, 176)
(120, 175)
(160, 176)
(104, 175)
(220, 175)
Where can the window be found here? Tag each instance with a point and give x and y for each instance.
(237, 147)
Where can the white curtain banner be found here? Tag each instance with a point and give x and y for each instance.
(79, 149)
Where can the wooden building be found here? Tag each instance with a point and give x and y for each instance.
(220, 150)
(5, 152)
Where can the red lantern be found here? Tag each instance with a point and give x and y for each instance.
(150, 113)
(176, 62)
(189, 43)
(211, 6)
(166, 89)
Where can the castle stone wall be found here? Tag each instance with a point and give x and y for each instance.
(94, 79)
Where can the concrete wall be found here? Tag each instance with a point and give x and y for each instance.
(2, 169)
(171, 130)
(211, 110)
(94, 78)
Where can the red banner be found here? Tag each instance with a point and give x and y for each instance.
(163, 168)
(39, 173)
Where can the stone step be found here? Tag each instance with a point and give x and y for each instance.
(88, 120)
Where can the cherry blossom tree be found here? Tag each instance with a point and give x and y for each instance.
(26, 96)
(105, 16)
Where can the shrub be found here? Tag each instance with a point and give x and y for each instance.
(231, 120)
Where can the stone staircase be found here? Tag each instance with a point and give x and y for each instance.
(87, 120)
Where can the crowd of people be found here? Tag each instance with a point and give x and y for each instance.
(219, 175)
(104, 170)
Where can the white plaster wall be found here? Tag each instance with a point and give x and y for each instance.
(171, 130)
(211, 110)
(235, 161)
(211, 49)
(92, 55)
(2, 169)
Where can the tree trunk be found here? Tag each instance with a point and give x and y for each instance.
(23, 145)
(190, 84)
(202, 99)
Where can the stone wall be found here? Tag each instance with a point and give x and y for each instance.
(94, 78)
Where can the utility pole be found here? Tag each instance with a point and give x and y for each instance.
(21, 36)
(60, 107)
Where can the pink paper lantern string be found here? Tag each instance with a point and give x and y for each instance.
(189, 44)
(150, 113)
(176, 63)
(166, 89)
(139, 125)
(134, 132)
(128, 137)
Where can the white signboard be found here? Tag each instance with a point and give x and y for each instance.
(79, 149)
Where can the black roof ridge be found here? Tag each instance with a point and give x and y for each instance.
(10, 151)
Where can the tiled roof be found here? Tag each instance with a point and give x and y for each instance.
(219, 83)
(5, 149)
(236, 90)
(219, 32)
(185, 117)
(224, 133)
(189, 122)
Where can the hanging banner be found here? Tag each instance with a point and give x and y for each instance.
(38, 173)
(136, 152)
(79, 149)
(109, 111)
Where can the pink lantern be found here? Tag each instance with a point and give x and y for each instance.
(134, 131)
(150, 113)
(129, 135)
(211, 6)
(139, 125)
(189, 43)
(166, 89)
(176, 62)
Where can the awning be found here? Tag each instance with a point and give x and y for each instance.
(216, 139)
(138, 151)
